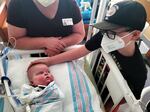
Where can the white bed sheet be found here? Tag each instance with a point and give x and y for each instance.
(63, 74)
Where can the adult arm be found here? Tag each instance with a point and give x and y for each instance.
(76, 37)
(24, 42)
(17, 29)
(78, 32)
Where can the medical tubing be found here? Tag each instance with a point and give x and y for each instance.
(5, 78)
(8, 96)
(4, 55)
(11, 43)
(28, 109)
(6, 50)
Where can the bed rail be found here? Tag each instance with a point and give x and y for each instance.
(113, 88)
(8, 54)
(7, 84)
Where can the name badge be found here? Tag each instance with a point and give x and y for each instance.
(67, 21)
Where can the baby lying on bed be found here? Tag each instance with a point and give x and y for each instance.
(43, 95)
(39, 74)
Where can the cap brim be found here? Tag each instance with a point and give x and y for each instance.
(106, 26)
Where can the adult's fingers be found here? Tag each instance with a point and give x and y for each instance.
(61, 46)
(52, 52)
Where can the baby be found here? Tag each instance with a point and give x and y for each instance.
(43, 93)
(39, 75)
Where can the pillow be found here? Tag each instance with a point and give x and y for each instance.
(17, 71)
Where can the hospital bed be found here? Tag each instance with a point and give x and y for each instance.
(80, 94)
(114, 91)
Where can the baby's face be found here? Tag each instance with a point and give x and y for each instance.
(40, 75)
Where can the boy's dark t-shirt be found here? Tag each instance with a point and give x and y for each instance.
(132, 68)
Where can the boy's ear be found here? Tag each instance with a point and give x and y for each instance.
(136, 35)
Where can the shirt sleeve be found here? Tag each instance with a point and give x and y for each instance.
(76, 14)
(15, 17)
(95, 42)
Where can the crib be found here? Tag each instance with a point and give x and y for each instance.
(80, 94)
(113, 89)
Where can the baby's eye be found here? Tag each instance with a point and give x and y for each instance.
(40, 73)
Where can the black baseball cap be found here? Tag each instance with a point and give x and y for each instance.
(129, 14)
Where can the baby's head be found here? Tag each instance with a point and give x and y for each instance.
(39, 74)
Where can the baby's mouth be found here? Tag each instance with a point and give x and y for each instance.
(48, 78)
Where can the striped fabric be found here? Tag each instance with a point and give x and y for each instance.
(81, 95)
(50, 98)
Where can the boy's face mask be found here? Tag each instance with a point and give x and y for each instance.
(46, 3)
(110, 45)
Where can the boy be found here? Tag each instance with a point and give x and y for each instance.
(118, 34)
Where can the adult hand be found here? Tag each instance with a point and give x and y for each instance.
(52, 52)
(54, 46)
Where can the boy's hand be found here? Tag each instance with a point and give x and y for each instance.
(45, 61)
